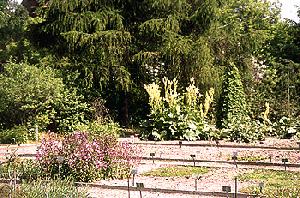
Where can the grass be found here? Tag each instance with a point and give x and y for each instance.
(277, 183)
(177, 171)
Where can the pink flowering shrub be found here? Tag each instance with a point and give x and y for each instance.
(87, 160)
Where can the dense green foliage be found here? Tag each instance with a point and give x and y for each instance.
(232, 105)
(35, 96)
(80, 52)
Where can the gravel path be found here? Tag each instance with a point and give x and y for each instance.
(104, 193)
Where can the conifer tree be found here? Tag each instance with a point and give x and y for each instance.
(113, 47)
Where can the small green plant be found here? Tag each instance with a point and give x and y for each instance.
(250, 158)
(277, 183)
(177, 171)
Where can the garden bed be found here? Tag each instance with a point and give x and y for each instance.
(209, 185)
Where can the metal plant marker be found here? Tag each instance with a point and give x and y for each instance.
(180, 144)
(196, 178)
(226, 189)
(132, 139)
(234, 157)
(193, 157)
(261, 186)
(139, 187)
(152, 156)
(134, 171)
(128, 186)
(285, 160)
(60, 160)
(235, 187)
(298, 142)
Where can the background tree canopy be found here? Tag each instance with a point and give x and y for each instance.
(108, 49)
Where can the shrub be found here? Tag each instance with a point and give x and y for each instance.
(243, 131)
(16, 135)
(287, 127)
(97, 129)
(86, 159)
(34, 95)
(175, 116)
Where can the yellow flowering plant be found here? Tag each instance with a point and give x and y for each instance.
(176, 115)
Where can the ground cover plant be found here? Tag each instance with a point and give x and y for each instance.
(249, 158)
(177, 171)
(43, 189)
(277, 183)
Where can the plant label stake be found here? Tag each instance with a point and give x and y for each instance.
(196, 178)
(128, 185)
(235, 187)
(134, 171)
(261, 186)
(234, 157)
(140, 186)
(38, 148)
(298, 144)
(193, 157)
(285, 160)
(152, 156)
(180, 144)
(160, 154)
(270, 157)
(226, 189)
(60, 160)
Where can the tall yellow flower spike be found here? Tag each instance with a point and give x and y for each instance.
(192, 93)
(155, 99)
(209, 96)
